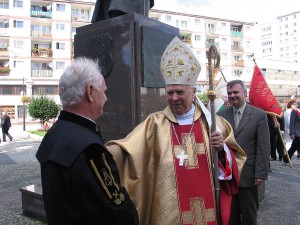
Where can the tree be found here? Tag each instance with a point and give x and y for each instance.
(203, 97)
(43, 108)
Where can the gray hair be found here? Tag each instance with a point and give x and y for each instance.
(234, 82)
(76, 77)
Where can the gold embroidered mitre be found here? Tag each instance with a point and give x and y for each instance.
(178, 65)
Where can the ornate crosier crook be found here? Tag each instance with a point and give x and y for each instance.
(213, 68)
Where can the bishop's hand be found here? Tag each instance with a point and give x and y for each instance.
(217, 141)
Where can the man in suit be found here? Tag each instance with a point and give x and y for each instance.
(251, 132)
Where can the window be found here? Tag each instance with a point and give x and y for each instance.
(4, 5)
(21, 111)
(35, 27)
(237, 73)
(60, 26)
(3, 45)
(18, 24)
(46, 29)
(197, 22)
(183, 24)
(18, 3)
(19, 64)
(60, 65)
(234, 28)
(211, 28)
(60, 45)
(223, 24)
(60, 7)
(45, 89)
(154, 18)
(4, 23)
(40, 66)
(224, 40)
(224, 55)
(74, 30)
(10, 89)
(18, 44)
(197, 37)
(168, 18)
(249, 57)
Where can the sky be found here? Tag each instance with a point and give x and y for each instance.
(242, 10)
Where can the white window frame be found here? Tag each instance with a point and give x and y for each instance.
(60, 26)
(60, 7)
(18, 3)
(19, 24)
(60, 45)
(18, 44)
(60, 65)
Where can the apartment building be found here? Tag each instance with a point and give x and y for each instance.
(274, 45)
(279, 54)
(235, 39)
(36, 44)
(280, 38)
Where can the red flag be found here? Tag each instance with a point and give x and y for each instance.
(261, 96)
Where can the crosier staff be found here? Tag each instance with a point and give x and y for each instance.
(213, 68)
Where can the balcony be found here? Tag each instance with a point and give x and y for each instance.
(4, 31)
(4, 52)
(236, 34)
(211, 31)
(79, 18)
(38, 34)
(239, 63)
(4, 71)
(41, 52)
(208, 44)
(237, 48)
(41, 14)
(41, 73)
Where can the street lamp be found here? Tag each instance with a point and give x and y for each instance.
(24, 128)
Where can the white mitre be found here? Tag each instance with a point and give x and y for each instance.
(178, 65)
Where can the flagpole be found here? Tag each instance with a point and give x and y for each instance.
(283, 143)
(213, 67)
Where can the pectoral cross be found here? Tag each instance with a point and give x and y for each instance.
(182, 157)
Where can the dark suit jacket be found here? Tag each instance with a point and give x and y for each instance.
(295, 124)
(252, 135)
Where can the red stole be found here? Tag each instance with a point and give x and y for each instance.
(194, 179)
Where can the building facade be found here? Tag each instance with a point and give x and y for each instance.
(36, 44)
(240, 43)
(37, 36)
(235, 40)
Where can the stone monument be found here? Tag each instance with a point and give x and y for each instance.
(128, 49)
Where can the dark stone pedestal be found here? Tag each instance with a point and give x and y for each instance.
(32, 202)
(129, 49)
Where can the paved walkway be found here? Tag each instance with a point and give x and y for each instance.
(19, 168)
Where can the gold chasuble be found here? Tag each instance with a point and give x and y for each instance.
(167, 168)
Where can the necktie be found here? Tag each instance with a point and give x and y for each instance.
(237, 118)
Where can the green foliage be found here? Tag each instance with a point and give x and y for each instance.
(41, 133)
(4, 70)
(43, 108)
(203, 97)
